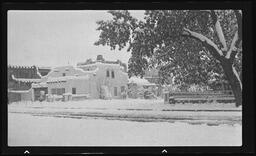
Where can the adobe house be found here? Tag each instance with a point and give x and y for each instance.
(96, 79)
(111, 77)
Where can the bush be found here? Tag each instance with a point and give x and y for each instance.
(196, 88)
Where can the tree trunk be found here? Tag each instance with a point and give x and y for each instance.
(234, 80)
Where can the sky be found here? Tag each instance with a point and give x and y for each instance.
(58, 38)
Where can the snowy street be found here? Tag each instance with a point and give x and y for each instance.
(123, 123)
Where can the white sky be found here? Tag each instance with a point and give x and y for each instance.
(57, 38)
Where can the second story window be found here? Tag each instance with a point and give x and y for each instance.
(113, 74)
(107, 73)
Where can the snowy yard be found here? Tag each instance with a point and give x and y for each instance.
(123, 123)
(157, 104)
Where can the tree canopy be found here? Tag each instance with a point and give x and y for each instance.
(159, 42)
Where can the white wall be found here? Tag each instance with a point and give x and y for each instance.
(83, 86)
(92, 84)
(120, 79)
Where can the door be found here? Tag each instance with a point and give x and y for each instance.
(115, 91)
(73, 90)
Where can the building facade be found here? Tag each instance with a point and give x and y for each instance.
(20, 79)
(98, 79)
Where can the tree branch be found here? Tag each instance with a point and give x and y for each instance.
(237, 76)
(236, 39)
(233, 55)
(232, 46)
(207, 42)
(219, 31)
(239, 23)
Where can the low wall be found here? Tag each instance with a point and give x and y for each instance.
(15, 95)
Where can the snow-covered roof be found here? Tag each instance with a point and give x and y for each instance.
(42, 67)
(140, 81)
(65, 78)
(18, 91)
(66, 68)
(39, 85)
(102, 64)
(87, 72)
(25, 79)
(20, 66)
(99, 63)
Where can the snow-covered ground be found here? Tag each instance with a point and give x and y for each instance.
(156, 104)
(123, 123)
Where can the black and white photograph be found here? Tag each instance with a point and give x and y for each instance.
(89, 78)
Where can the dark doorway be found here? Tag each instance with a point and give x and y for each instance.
(73, 90)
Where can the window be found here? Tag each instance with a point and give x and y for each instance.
(60, 91)
(73, 90)
(107, 73)
(113, 74)
(115, 91)
(63, 74)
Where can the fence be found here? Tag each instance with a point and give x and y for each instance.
(199, 97)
